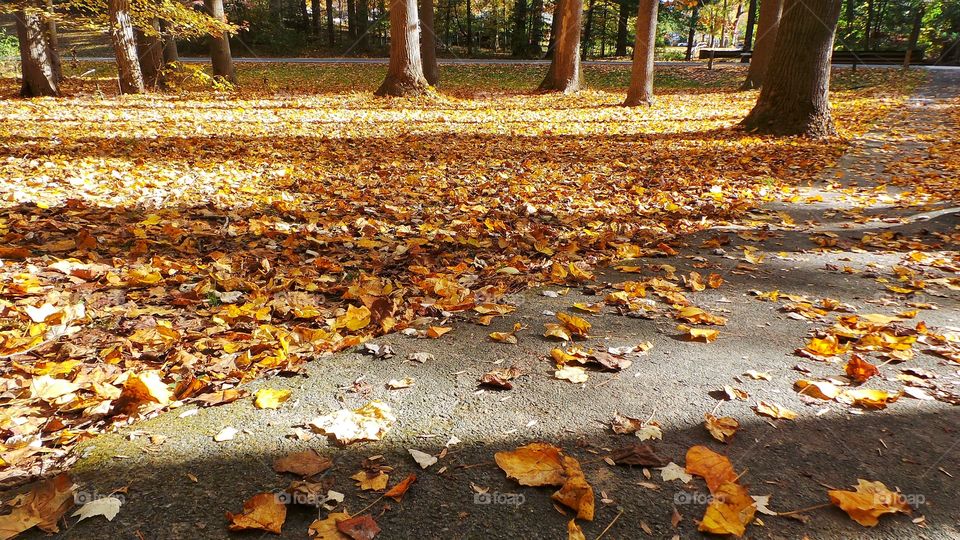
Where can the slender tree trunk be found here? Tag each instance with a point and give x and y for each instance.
(428, 43)
(767, 30)
(170, 53)
(405, 73)
(587, 30)
(351, 20)
(691, 36)
(519, 41)
(446, 24)
(150, 51)
(641, 77)
(868, 32)
(35, 56)
(124, 47)
(554, 30)
(363, 23)
(315, 17)
(220, 45)
(469, 29)
(914, 35)
(304, 16)
(794, 96)
(275, 11)
(536, 29)
(851, 6)
(564, 73)
(603, 34)
(622, 18)
(331, 35)
(53, 43)
(751, 22)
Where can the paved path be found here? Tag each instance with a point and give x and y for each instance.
(914, 445)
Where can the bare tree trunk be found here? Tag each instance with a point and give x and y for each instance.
(914, 35)
(641, 77)
(331, 36)
(622, 19)
(150, 51)
(868, 32)
(751, 22)
(587, 30)
(53, 44)
(35, 59)
(428, 43)
(124, 47)
(220, 45)
(564, 73)
(352, 20)
(767, 29)
(363, 20)
(794, 97)
(170, 52)
(694, 19)
(405, 73)
(315, 17)
(536, 28)
(469, 29)
(519, 41)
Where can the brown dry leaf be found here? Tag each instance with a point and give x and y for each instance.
(507, 337)
(637, 454)
(41, 507)
(534, 464)
(574, 532)
(263, 512)
(270, 398)
(706, 335)
(398, 491)
(714, 468)
(326, 529)
(306, 463)
(371, 481)
(868, 502)
(817, 389)
(359, 528)
(767, 408)
(729, 512)
(576, 492)
(723, 428)
(859, 369)
(868, 398)
(500, 378)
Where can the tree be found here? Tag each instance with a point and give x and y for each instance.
(641, 77)
(36, 57)
(54, 42)
(519, 39)
(536, 28)
(794, 96)
(331, 36)
(694, 19)
(170, 53)
(363, 20)
(150, 49)
(564, 73)
(767, 27)
(405, 72)
(751, 22)
(220, 55)
(914, 35)
(428, 43)
(124, 46)
(623, 16)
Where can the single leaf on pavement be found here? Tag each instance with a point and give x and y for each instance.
(104, 506)
(307, 463)
(270, 398)
(535, 464)
(721, 428)
(715, 468)
(868, 502)
(729, 512)
(359, 528)
(263, 511)
(398, 491)
(368, 423)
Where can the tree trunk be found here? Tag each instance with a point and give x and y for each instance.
(751, 22)
(914, 35)
(519, 40)
(469, 29)
(536, 29)
(564, 73)
(622, 17)
(767, 29)
(868, 33)
(363, 23)
(124, 47)
(35, 58)
(150, 51)
(220, 45)
(352, 20)
(275, 10)
(694, 19)
(428, 43)
(331, 36)
(405, 73)
(794, 97)
(587, 29)
(53, 43)
(170, 52)
(315, 17)
(304, 16)
(554, 30)
(641, 77)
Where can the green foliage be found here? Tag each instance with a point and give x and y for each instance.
(9, 46)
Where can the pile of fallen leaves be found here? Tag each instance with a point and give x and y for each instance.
(160, 250)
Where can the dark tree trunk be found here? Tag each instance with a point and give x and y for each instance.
(220, 45)
(446, 24)
(587, 29)
(767, 29)
(554, 30)
(363, 23)
(170, 52)
(536, 29)
(315, 17)
(868, 32)
(428, 43)
(623, 17)
(564, 73)
(469, 29)
(519, 42)
(405, 73)
(150, 51)
(304, 16)
(275, 11)
(352, 19)
(35, 56)
(124, 46)
(331, 36)
(53, 43)
(914, 35)
(694, 19)
(851, 6)
(641, 77)
(794, 97)
(751, 22)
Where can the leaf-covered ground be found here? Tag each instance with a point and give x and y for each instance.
(162, 249)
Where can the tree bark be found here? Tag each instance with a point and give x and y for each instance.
(536, 29)
(794, 97)
(352, 19)
(220, 55)
(554, 30)
(53, 44)
(641, 77)
(35, 58)
(519, 41)
(315, 17)
(124, 47)
(363, 23)
(914, 35)
(405, 72)
(622, 18)
(150, 51)
(428, 43)
(694, 18)
(564, 73)
(469, 29)
(868, 32)
(587, 30)
(767, 29)
(170, 52)
(331, 36)
(751, 22)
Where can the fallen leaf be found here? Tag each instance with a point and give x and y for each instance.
(868, 502)
(714, 468)
(423, 459)
(729, 511)
(41, 507)
(306, 463)
(270, 398)
(107, 507)
(398, 491)
(368, 423)
(773, 410)
(723, 428)
(359, 528)
(262, 512)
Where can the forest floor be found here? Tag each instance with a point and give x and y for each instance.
(171, 257)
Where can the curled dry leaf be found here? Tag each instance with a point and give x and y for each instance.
(359, 528)
(817, 389)
(729, 511)
(699, 334)
(535, 464)
(423, 459)
(574, 532)
(869, 501)
(859, 369)
(306, 463)
(714, 468)
(868, 398)
(368, 423)
(767, 408)
(637, 454)
(326, 529)
(263, 512)
(500, 378)
(41, 507)
(573, 374)
(723, 428)
(398, 491)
